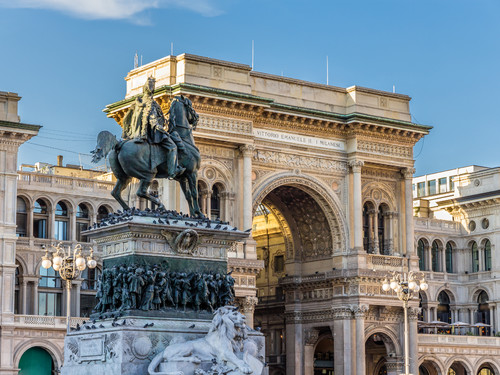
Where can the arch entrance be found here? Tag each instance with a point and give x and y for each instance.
(36, 361)
(380, 355)
(323, 356)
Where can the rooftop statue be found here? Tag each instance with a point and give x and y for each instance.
(154, 146)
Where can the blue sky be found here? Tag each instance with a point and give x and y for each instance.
(67, 59)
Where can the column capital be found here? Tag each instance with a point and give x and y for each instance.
(249, 304)
(342, 312)
(408, 172)
(356, 165)
(311, 336)
(360, 311)
(413, 313)
(246, 150)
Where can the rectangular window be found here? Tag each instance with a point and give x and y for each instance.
(81, 227)
(431, 185)
(61, 230)
(40, 228)
(442, 185)
(87, 303)
(279, 263)
(49, 304)
(420, 189)
(452, 184)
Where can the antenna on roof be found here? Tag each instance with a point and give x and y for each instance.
(141, 60)
(393, 89)
(327, 69)
(171, 48)
(136, 60)
(253, 52)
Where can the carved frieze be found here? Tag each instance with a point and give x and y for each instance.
(299, 161)
(385, 149)
(225, 124)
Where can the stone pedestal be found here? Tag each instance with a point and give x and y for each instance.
(125, 340)
(129, 348)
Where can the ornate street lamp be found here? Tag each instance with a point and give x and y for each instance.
(406, 285)
(69, 264)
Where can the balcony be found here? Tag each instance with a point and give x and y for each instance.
(44, 322)
(28, 179)
(431, 340)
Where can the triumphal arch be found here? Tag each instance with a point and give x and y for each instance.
(322, 177)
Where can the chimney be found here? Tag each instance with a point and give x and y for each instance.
(59, 160)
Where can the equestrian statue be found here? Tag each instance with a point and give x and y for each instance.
(154, 146)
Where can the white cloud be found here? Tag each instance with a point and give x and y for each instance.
(113, 9)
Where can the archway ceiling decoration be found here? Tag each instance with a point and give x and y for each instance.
(307, 219)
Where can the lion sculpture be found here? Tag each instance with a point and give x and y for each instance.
(226, 349)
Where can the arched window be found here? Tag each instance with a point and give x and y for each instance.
(49, 293)
(487, 255)
(21, 218)
(61, 224)
(102, 212)
(421, 255)
(449, 257)
(368, 214)
(483, 313)
(485, 370)
(82, 221)
(435, 257)
(443, 309)
(215, 203)
(16, 291)
(40, 219)
(475, 257)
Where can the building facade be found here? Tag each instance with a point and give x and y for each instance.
(323, 177)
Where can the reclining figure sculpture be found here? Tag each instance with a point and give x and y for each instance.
(226, 349)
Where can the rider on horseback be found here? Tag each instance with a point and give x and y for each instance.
(145, 123)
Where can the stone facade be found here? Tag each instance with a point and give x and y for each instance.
(323, 177)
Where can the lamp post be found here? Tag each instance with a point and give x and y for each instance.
(69, 263)
(406, 285)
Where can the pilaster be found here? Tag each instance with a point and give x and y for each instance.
(356, 205)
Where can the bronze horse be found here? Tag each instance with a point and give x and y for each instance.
(146, 161)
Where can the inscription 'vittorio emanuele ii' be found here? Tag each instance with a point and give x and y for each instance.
(302, 140)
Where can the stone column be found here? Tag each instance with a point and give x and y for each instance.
(29, 221)
(209, 204)
(203, 196)
(294, 344)
(35, 298)
(24, 297)
(413, 313)
(249, 303)
(359, 314)
(72, 225)
(310, 339)
(343, 346)
(247, 153)
(390, 232)
(443, 259)
(357, 205)
(51, 230)
(408, 198)
(224, 198)
(376, 247)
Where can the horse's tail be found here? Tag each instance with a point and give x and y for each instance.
(106, 141)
